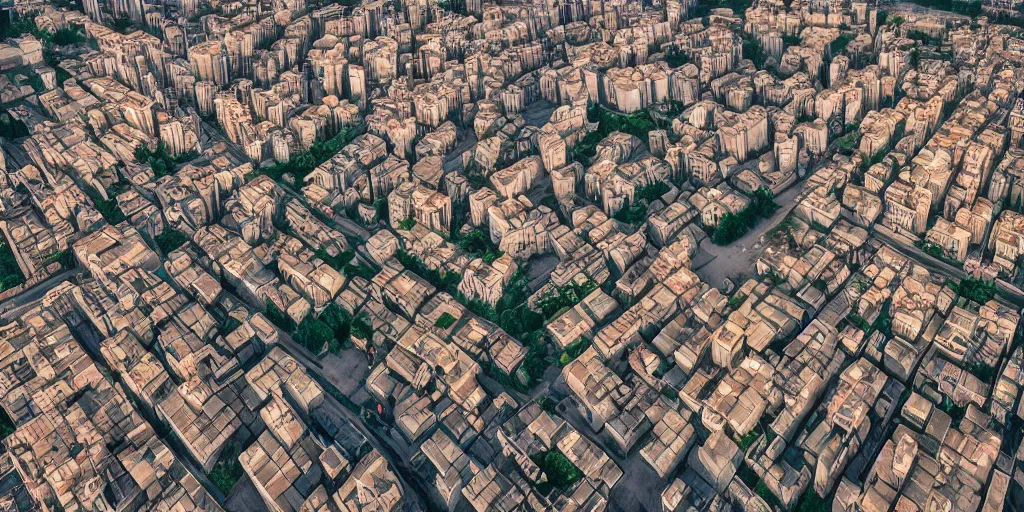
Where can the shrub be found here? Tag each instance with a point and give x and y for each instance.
(978, 290)
(313, 334)
(444, 321)
(279, 318)
(732, 226)
(561, 472)
(170, 240)
(574, 350)
(477, 244)
(226, 472)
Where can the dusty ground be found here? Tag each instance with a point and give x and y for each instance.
(639, 489)
(347, 371)
(540, 270)
(737, 258)
(539, 113)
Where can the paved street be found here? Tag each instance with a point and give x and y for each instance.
(737, 259)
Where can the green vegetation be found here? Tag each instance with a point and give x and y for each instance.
(732, 226)
(279, 318)
(338, 262)
(915, 57)
(970, 8)
(342, 326)
(227, 471)
(747, 475)
(636, 212)
(847, 144)
(739, 7)
(638, 124)
(478, 180)
(560, 471)
(839, 44)
(752, 50)
(313, 334)
(32, 78)
(547, 404)
(736, 301)
(126, 25)
(858, 322)
(953, 410)
(21, 25)
(381, 205)
(936, 251)
(10, 273)
(444, 321)
(563, 298)
(456, 6)
(676, 57)
(364, 271)
(512, 314)
(170, 239)
(448, 282)
(11, 128)
(64, 37)
(923, 37)
(791, 40)
(811, 502)
(7, 426)
(983, 372)
(978, 290)
(230, 324)
(574, 350)
(748, 439)
(876, 158)
(477, 244)
(651, 192)
(66, 258)
(762, 490)
(632, 214)
(108, 208)
(930, 248)
(300, 165)
(406, 224)
(160, 160)
(361, 328)
(882, 323)
(332, 329)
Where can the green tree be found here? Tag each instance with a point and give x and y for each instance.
(10, 272)
(732, 226)
(170, 239)
(675, 57)
(7, 426)
(227, 470)
(977, 290)
(279, 318)
(752, 50)
(444, 321)
(477, 243)
(313, 334)
(560, 471)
